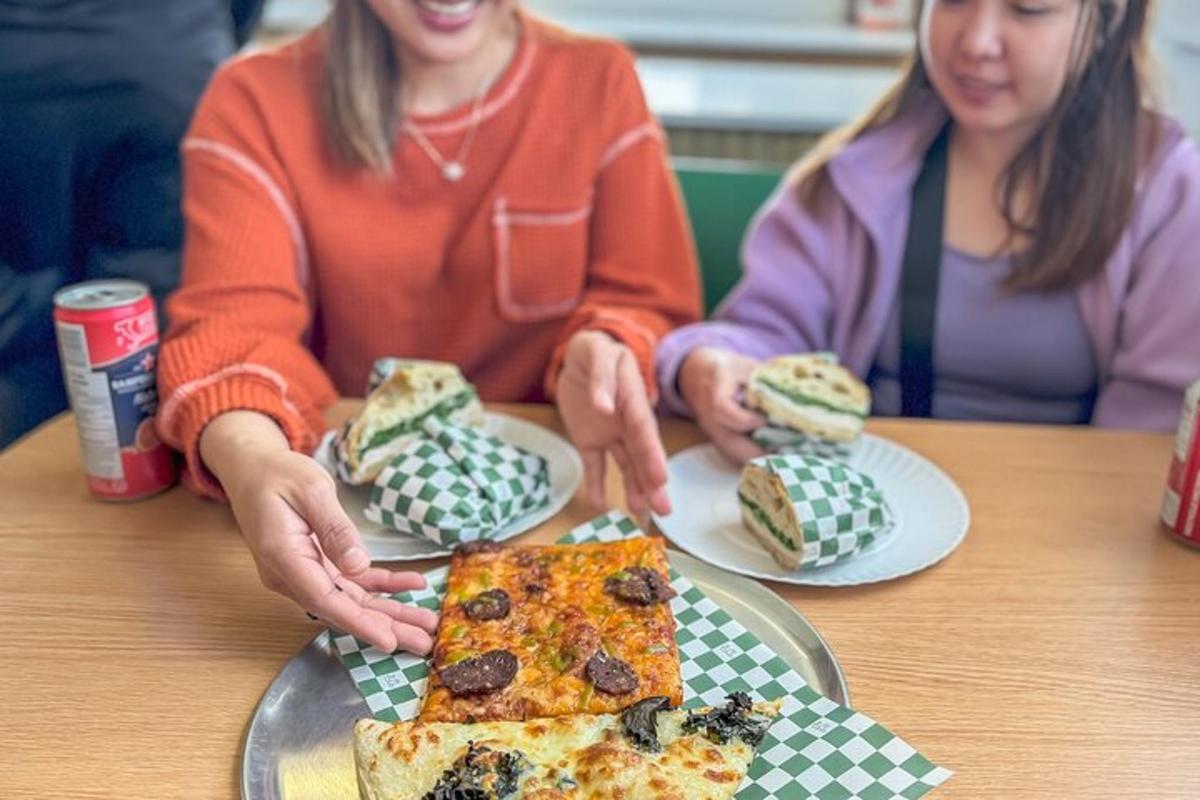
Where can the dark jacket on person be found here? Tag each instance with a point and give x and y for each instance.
(94, 98)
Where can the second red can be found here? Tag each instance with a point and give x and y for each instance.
(1181, 503)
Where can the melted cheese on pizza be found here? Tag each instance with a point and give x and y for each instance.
(574, 757)
(560, 615)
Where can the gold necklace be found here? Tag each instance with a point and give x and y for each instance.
(454, 170)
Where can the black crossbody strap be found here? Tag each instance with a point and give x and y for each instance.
(919, 280)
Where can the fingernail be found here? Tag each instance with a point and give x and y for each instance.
(356, 560)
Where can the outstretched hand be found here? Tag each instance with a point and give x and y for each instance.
(303, 543)
(606, 408)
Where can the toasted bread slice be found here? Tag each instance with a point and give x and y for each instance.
(810, 393)
(394, 411)
(768, 513)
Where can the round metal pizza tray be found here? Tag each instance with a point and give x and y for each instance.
(298, 745)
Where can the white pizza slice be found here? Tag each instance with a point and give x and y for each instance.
(645, 752)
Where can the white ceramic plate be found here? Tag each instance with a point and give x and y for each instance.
(932, 516)
(386, 544)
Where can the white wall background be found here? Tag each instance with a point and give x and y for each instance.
(830, 11)
(1177, 36)
(1177, 43)
(824, 11)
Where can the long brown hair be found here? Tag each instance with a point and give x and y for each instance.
(359, 91)
(1083, 161)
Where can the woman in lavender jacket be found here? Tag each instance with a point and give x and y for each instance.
(1069, 289)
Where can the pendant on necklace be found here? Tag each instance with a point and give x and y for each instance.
(453, 171)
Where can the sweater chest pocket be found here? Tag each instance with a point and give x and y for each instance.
(540, 259)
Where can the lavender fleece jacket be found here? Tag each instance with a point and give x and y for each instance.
(828, 280)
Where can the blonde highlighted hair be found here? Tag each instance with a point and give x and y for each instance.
(361, 81)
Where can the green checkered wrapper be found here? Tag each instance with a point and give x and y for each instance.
(840, 510)
(816, 749)
(457, 484)
(778, 440)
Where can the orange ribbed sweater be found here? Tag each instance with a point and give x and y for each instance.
(299, 271)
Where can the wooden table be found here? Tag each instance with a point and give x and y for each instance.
(1055, 655)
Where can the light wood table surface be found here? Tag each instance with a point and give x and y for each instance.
(1055, 655)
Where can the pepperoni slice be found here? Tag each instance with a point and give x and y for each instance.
(493, 670)
(611, 675)
(640, 586)
(492, 604)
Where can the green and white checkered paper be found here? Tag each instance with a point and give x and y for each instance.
(816, 749)
(457, 484)
(840, 509)
(785, 441)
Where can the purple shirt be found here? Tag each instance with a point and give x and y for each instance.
(997, 355)
(827, 279)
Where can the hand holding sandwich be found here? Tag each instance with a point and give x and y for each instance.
(304, 545)
(710, 380)
(606, 409)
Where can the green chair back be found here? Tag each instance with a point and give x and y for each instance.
(721, 198)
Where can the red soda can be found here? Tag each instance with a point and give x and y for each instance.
(108, 345)
(1181, 503)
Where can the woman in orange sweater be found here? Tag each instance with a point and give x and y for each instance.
(425, 178)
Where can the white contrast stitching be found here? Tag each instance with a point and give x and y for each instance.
(171, 405)
(492, 107)
(564, 218)
(503, 221)
(647, 130)
(264, 179)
